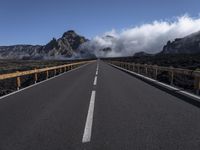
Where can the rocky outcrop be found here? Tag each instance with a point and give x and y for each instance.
(65, 47)
(188, 45)
(73, 39)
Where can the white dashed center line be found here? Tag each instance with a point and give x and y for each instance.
(95, 80)
(88, 125)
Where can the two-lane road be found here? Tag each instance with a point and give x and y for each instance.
(97, 107)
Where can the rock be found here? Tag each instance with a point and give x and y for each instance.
(187, 45)
(64, 48)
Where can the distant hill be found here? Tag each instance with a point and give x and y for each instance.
(65, 47)
(187, 45)
(142, 54)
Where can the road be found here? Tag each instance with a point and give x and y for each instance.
(97, 107)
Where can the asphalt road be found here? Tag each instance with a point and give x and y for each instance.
(97, 108)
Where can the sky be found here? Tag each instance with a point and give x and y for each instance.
(38, 21)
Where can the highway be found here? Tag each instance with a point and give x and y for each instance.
(97, 107)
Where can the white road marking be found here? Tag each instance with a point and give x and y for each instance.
(95, 80)
(88, 125)
(97, 70)
(97, 67)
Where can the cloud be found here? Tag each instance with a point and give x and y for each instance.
(150, 37)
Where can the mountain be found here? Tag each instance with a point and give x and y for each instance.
(65, 47)
(142, 54)
(187, 45)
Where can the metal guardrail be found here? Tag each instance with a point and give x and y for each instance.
(170, 70)
(57, 69)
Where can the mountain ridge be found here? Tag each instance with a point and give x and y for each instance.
(66, 47)
(188, 45)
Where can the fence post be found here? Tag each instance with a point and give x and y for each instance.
(47, 74)
(138, 68)
(55, 72)
(36, 76)
(197, 84)
(131, 67)
(171, 75)
(18, 82)
(146, 70)
(156, 71)
(65, 69)
(133, 64)
(128, 66)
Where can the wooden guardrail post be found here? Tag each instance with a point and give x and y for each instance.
(18, 82)
(138, 68)
(197, 84)
(47, 74)
(36, 76)
(55, 72)
(60, 70)
(156, 71)
(127, 66)
(133, 64)
(146, 70)
(171, 75)
(131, 67)
(65, 68)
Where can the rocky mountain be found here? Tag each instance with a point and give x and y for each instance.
(142, 54)
(187, 45)
(65, 47)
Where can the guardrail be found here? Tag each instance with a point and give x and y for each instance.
(144, 69)
(57, 70)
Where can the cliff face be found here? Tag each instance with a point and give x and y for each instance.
(65, 47)
(188, 45)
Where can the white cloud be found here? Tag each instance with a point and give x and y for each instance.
(149, 37)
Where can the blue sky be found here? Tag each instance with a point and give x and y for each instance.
(38, 21)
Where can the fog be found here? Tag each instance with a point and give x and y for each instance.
(149, 37)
